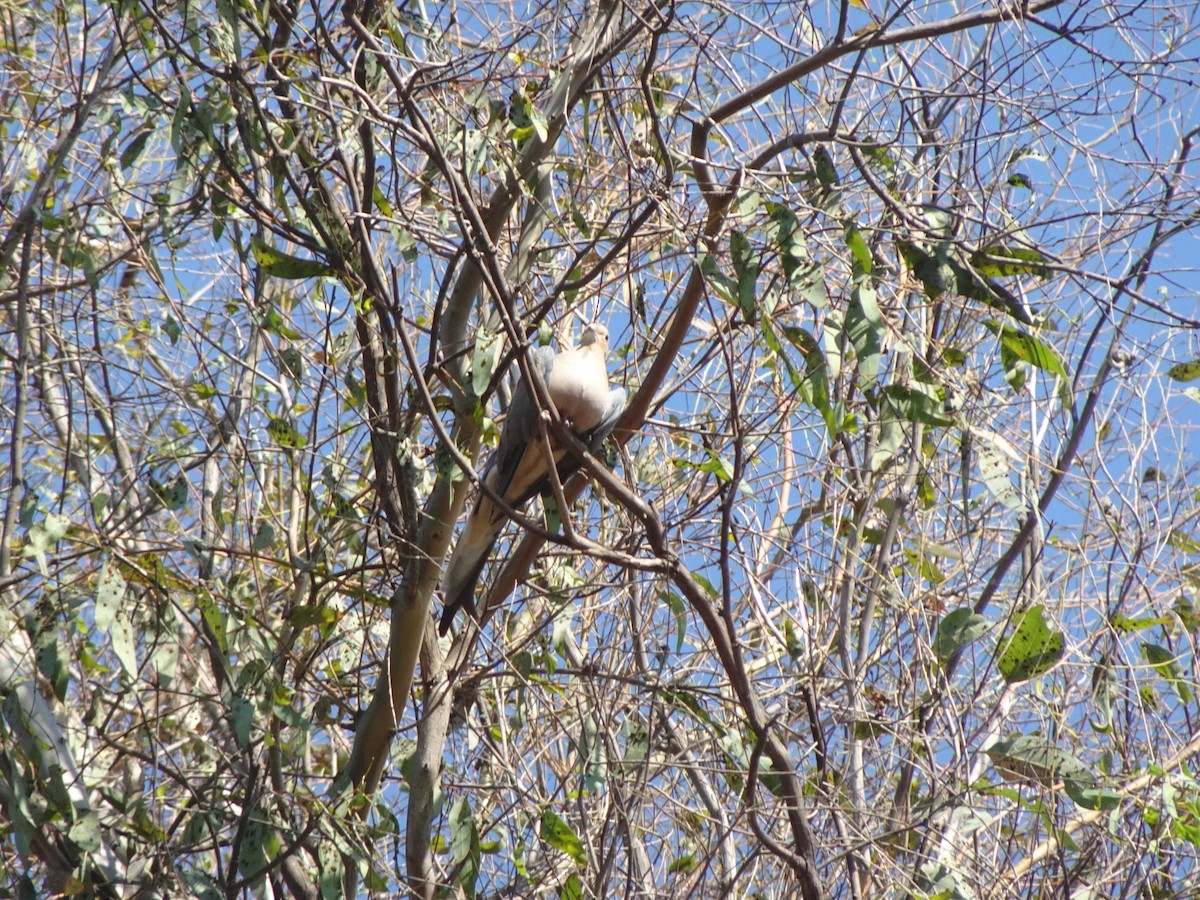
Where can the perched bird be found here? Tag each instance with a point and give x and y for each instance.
(577, 382)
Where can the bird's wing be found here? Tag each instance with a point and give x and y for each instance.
(519, 469)
(520, 426)
(533, 476)
(514, 462)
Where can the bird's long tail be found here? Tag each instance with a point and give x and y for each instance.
(467, 561)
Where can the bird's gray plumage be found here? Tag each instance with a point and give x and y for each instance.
(577, 381)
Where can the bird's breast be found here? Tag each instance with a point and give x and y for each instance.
(579, 389)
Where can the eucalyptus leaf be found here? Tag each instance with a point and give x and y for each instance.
(282, 265)
(558, 834)
(957, 630)
(1031, 647)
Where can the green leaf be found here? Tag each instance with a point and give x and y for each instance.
(110, 592)
(165, 659)
(926, 492)
(737, 759)
(172, 496)
(686, 863)
(918, 402)
(1188, 371)
(179, 119)
(1034, 759)
(941, 272)
(957, 629)
(745, 267)
(241, 714)
(1188, 615)
(120, 631)
(54, 661)
(814, 390)
(200, 886)
(865, 328)
(823, 166)
(252, 853)
(717, 465)
(332, 870)
(291, 363)
(308, 616)
(540, 126)
(1031, 648)
(990, 292)
(134, 148)
(925, 566)
(714, 464)
(264, 537)
(85, 832)
(43, 535)
(878, 155)
(890, 440)
(864, 264)
(1010, 261)
(1166, 664)
(559, 835)
(771, 339)
(723, 286)
(274, 322)
(1182, 541)
(282, 432)
(1126, 625)
(356, 393)
(1089, 796)
(1026, 348)
(679, 611)
(172, 329)
(572, 888)
(993, 460)
(687, 702)
(936, 271)
(464, 844)
(483, 360)
(217, 622)
(280, 265)
(938, 882)
(593, 753)
(803, 274)
(637, 745)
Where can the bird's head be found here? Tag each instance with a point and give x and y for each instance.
(594, 334)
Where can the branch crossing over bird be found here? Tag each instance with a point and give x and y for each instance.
(577, 382)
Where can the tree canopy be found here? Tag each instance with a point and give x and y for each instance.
(885, 583)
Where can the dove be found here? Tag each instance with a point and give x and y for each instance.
(576, 379)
